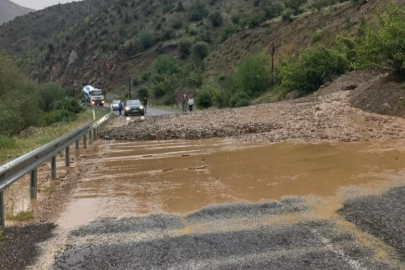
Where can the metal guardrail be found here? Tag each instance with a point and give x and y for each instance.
(28, 164)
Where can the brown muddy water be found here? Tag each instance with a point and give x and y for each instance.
(180, 177)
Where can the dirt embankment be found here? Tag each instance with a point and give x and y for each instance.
(327, 115)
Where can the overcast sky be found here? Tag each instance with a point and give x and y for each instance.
(39, 4)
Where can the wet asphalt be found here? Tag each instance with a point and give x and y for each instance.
(231, 236)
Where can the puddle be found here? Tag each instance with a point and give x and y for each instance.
(180, 177)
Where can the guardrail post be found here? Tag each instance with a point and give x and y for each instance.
(77, 153)
(53, 168)
(85, 141)
(95, 134)
(33, 183)
(67, 156)
(2, 220)
(91, 137)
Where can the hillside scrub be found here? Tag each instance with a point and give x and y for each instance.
(312, 69)
(379, 47)
(23, 103)
(373, 48)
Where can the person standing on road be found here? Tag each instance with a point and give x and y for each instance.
(183, 102)
(145, 104)
(120, 107)
(191, 103)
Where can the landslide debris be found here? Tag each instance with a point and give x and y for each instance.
(321, 117)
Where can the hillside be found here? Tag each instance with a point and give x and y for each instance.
(107, 43)
(10, 10)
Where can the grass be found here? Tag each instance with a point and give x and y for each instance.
(272, 96)
(11, 148)
(21, 216)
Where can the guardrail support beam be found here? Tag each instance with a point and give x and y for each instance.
(85, 141)
(91, 137)
(53, 168)
(33, 183)
(67, 156)
(77, 153)
(2, 220)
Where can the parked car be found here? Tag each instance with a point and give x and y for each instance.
(134, 107)
(115, 105)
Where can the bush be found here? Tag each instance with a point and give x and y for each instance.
(253, 74)
(240, 99)
(198, 11)
(49, 94)
(145, 40)
(315, 67)
(69, 105)
(256, 20)
(166, 65)
(382, 46)
(59, 116)
(11, 122)
(216, 19)
(199, 51)
(185, 48)
(227, 32)
(272, 9)
(143, 92)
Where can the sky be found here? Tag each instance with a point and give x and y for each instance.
(39, 4)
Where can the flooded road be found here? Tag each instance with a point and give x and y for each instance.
(181, 177)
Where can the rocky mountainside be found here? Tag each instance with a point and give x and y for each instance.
(10, 10)
(105, 42)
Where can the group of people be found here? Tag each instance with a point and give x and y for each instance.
(187, 99)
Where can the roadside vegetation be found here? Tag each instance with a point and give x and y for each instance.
(142, 32)
(33, 114)
(375, 47)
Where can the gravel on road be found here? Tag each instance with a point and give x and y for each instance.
(382, 216)
(328, 117)
(18, 249)
(211, 239)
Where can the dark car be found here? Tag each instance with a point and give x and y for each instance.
(134, 107)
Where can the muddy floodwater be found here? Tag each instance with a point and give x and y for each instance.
(179, 177)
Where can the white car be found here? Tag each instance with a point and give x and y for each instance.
(115, 105)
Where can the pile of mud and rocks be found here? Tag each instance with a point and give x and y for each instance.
(328, 115)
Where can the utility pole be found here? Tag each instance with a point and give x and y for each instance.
(272, 52)
(129, 87)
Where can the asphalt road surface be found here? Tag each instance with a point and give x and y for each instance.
(176, 205)
(149, 111)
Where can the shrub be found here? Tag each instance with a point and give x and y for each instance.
(59, 116)
(199, 51)
(198, 11)
(145, 40)
(185, 48)
(69, 105)
(143, 92)
(315, 67)
(317, 36)
(216, 19)
(253, 74)
(256, 20)
(383, 46)
(240, 99)
(49, 94)
(227, 32)
(166, 65)
(180, 6)
(272, 9)
(11, 122)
